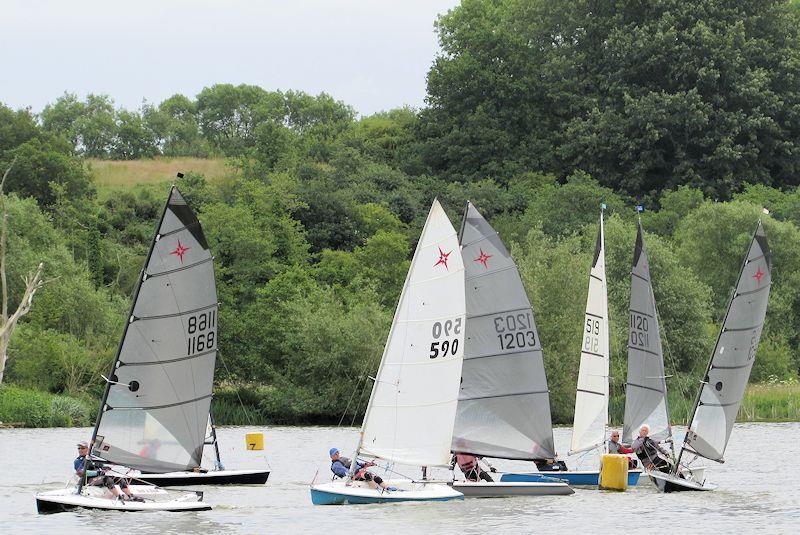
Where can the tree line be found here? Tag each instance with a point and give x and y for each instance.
(536, 112)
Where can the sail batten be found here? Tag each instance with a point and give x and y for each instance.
(155, 408)
(591, 396)
(411, 411)
(646, 402)
(504, 402)
(728, 371)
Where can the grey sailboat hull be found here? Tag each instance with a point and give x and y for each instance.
(499, 489)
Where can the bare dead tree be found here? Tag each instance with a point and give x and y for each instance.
(33, 281)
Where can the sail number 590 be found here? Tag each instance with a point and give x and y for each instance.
(441, 348)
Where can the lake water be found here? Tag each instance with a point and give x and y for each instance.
(759, 491)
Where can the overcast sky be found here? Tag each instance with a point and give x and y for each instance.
(371, 54)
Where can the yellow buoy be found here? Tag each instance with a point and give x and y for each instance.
(614, 472)
(254, 441)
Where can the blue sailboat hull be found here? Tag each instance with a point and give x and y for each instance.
(580, 479)
(333, 494)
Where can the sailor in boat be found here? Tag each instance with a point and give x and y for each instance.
(470, 467)
(341, 465)
(550, 465)
(617, 447)
(90, 469)
(650, 453)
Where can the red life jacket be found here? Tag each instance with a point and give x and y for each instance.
(466, 462)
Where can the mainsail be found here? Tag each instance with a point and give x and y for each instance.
(734, 353)
(155, 408)
(591, 399)
(646, 389)
(412, 408)
(504, 405)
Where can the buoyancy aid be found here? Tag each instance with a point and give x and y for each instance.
(466, 462)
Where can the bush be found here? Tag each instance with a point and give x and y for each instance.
(33, 408)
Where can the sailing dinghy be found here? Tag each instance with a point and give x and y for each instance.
(725, 381)
(591, 398)
(504, 404)
(411, 411)
(155, 416)
(154, 410)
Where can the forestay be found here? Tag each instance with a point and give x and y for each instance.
(591, 399)
(646, 389)
(504, 404)
(156, 405)
(734, 353)
(412, 408)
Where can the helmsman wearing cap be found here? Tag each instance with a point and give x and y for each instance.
(341, 465)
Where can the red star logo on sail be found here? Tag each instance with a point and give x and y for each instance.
(484, 259)
(180, 250)
(443, 259)
(758, 275)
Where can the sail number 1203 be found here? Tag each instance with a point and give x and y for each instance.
(202, 331)
(445, 329)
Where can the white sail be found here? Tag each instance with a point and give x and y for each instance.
(412, 408)
(591, 399)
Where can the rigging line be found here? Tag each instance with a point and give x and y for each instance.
(362, 377)
(368, 365)
(236, 390)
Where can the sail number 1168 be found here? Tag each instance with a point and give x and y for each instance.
(202, 332)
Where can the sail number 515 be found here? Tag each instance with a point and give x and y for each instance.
(441, 348)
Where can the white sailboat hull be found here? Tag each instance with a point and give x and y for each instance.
(500, 489)
(358, 492)
(61, 500)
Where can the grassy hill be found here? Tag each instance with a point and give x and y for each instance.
(126, 173)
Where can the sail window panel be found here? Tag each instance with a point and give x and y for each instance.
(415, 384)
(177, 292)
(504, 375)
(711, 425)
(504, 427)
(163, 384)
(159, 440)
(168, 338)
(498, 294)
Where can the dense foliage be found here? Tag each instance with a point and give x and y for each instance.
(537, 112)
